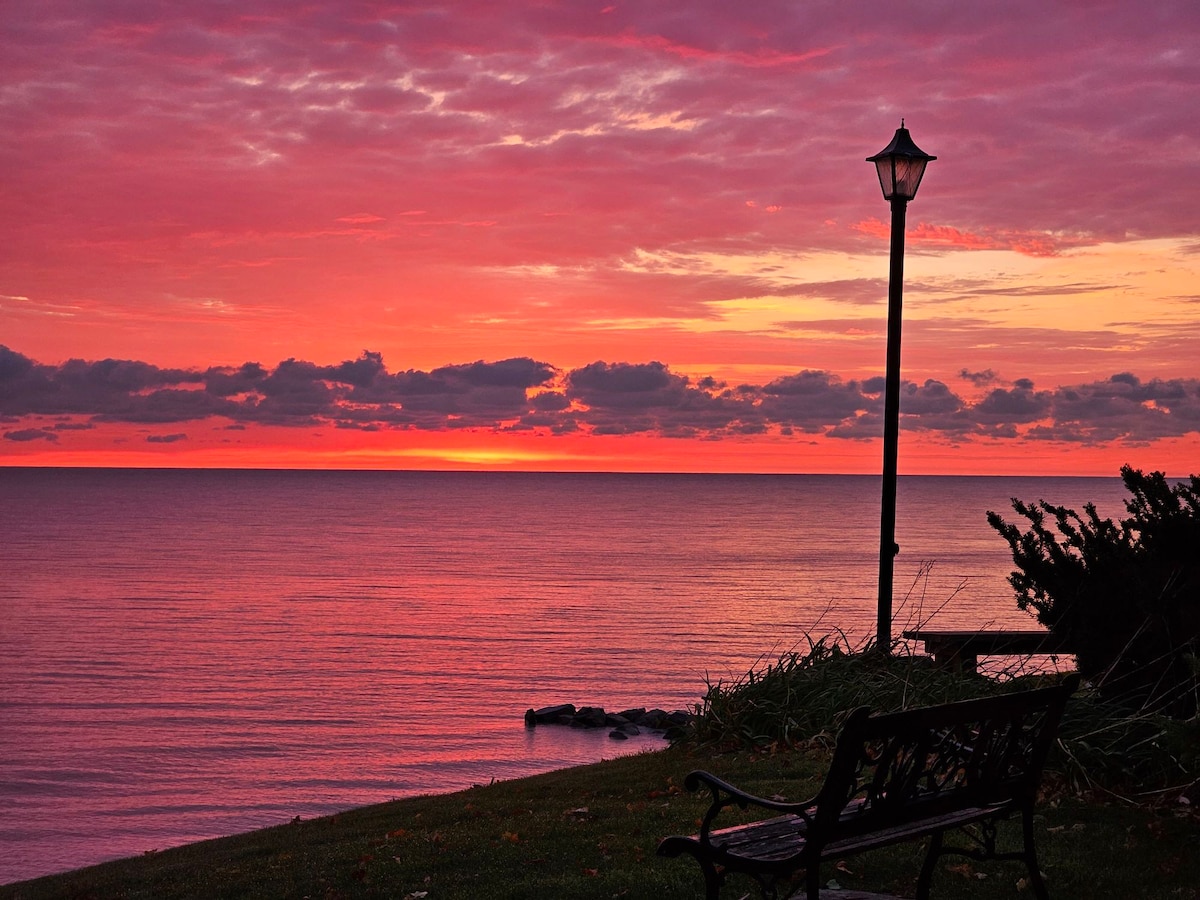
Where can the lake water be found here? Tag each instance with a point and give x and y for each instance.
(188, 654)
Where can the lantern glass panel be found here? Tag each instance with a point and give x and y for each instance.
(908, 176)
(884, 168)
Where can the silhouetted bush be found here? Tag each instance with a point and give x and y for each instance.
(1125, 595)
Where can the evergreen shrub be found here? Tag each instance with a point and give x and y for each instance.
(1125, 595)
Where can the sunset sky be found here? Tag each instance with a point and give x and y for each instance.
(597, 236)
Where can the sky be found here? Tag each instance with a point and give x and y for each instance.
(597, 235)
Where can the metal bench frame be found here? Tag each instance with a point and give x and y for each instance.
(893, 777)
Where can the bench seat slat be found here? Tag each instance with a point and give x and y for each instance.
(909, 830)
(773, 839)
(784, 836)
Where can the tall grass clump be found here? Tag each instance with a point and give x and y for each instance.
(805, 694)
(1104, 744)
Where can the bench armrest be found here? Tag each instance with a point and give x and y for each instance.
(725, 795)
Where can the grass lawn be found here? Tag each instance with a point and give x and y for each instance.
(592, 831)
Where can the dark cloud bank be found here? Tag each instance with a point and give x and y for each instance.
(601, 398)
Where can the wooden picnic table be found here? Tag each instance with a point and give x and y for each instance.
(960, 650)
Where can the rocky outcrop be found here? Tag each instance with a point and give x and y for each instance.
(624, 724)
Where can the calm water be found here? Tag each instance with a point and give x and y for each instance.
(187, 654)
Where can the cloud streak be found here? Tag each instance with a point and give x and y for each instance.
(601, 398)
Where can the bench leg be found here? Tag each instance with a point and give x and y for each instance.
(926, 877)
(812, 881)
(712, 879)
(1031, 862)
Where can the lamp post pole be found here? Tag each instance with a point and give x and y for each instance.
(900, 167)
(891, 431)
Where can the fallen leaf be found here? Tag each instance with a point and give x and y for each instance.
(511, 837)
(1169, 867)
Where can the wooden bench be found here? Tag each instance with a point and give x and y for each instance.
(893, 777)
(960, 650)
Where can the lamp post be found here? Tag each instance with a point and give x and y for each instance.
(900, 166)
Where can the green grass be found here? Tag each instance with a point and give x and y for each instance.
(592, 832)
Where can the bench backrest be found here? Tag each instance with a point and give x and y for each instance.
(895, 768)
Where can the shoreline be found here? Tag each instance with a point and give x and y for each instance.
(606, 748)
(353, 810)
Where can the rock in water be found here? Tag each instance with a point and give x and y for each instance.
(561, 714)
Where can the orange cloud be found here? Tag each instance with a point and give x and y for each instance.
(1028, 243)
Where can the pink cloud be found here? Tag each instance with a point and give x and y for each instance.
(763, 58)
(401, 166)
(925, 234)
